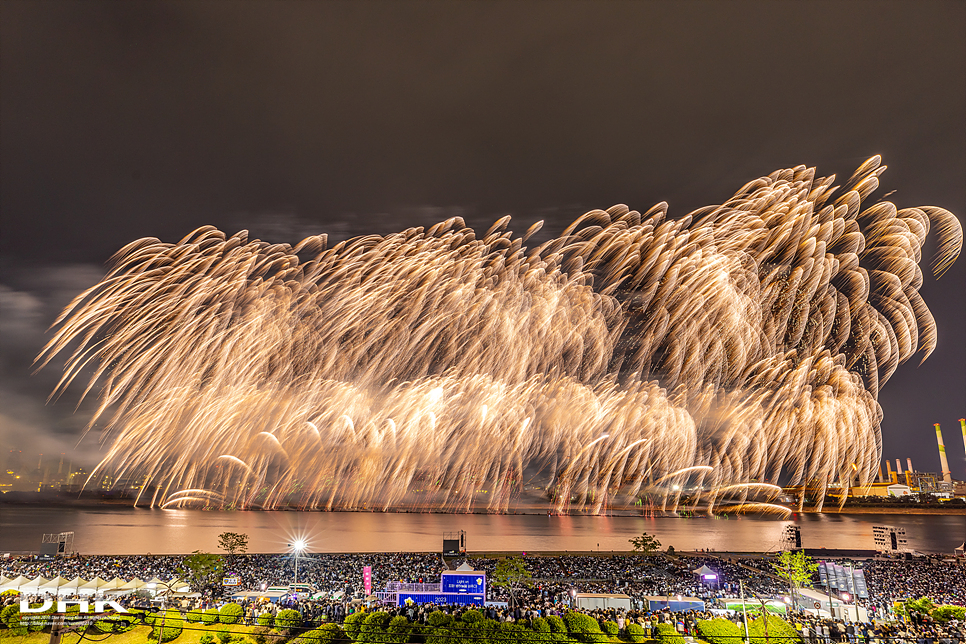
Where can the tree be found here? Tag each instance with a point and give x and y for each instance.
(202, 570)
(795, 567)
(233, 542)
(645, 544)
(511, 573)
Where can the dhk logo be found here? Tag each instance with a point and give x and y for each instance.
(85, 606)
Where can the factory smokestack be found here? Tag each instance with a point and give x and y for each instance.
(909, 467)
(880, 472)
(889, 471)
(962, 423)
(898, 468)
(947, 475)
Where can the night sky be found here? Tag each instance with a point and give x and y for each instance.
(121, 120)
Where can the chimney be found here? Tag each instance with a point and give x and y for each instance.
(898, 468)
(947, 475)
(880, 473)
(889, 471)
(962, 423)
(909, 467)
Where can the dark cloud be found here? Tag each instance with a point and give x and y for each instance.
(28, 309)
(124, 120)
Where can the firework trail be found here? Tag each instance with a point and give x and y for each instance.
(740, 344)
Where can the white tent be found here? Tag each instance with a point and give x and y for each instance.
(134, 584)
(14, 584)
(71, 587)
(33, 586)
(113, 585)
(52, 585)
(95, 585)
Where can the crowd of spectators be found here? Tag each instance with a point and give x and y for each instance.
(554, 576)
(920, 577)
(339, 576)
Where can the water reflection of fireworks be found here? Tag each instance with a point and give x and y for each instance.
(740, 344)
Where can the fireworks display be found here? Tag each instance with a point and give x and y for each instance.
(633, 355)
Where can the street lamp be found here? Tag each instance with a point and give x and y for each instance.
(168, 588)
(298, 547)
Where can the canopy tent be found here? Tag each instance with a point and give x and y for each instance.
(704, 570)
(71, 587)
(134, 584)
(961, 550)
(14, 584)
(95, 585)
(52, 585)
(33, 586)
(113, 585)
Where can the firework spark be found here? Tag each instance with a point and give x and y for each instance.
(742, 343)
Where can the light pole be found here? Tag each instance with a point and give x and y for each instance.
(852, 588)
(744, 613)
(828, 587)
(168, 587)
(298, 547)
(764, 610)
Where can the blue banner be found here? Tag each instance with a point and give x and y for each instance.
(474, 582)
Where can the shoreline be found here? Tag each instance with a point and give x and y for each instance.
(470, 555)
(698, 514)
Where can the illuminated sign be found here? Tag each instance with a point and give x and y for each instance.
(470, 583)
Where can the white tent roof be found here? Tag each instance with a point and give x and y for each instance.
(54, 583)
(14, 584)
(117, 582)
(703, 570)
(134, 584)
(94, 584)
(33, 584)
(71, 585)
(463, 567)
